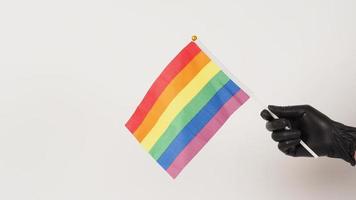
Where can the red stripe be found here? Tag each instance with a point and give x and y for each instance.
(168, 74)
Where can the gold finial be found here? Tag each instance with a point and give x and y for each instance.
(194, 37)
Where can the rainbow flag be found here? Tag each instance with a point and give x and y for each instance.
(184, 108)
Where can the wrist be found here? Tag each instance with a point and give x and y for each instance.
(351, 132)
(346, 141)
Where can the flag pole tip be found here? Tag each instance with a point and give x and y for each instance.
(194, 37)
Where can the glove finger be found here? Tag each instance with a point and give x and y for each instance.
(278, 124)
(291, 151)
(289, 144)
(285, 135)
(287, 111)
(302, 152)
(266, 115)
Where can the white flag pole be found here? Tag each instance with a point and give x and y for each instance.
(244, 87)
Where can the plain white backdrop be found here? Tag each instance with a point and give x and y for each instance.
(73, 71)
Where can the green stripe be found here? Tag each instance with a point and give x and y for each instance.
(188, 112)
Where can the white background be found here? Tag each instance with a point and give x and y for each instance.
(73, 71)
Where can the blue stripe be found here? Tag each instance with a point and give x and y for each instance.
(197, 123)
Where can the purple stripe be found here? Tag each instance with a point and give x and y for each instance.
(206, 133)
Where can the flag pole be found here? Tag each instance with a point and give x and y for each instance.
(244, 87)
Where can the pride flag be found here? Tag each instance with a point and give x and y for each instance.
(184, 108)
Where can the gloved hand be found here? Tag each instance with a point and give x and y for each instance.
(323, 135)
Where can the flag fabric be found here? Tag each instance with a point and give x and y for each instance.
(186, 105)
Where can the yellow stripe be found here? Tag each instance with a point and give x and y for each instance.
(179, 102)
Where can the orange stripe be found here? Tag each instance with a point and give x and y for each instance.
(168, 74)
(176, 85)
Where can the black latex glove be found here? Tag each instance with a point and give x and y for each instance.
(323, 135)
